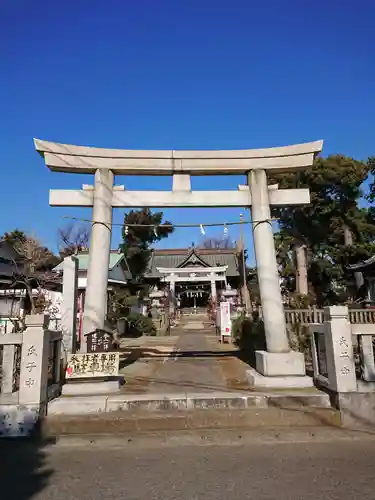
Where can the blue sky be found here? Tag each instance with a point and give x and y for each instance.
(176, 74)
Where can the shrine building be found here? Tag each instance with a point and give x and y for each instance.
(195, 275)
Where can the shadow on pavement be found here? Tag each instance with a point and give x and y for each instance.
(134, 354)
(23, 467)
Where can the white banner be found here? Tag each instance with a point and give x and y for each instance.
(225, 321)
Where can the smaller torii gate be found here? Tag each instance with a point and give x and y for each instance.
(279, 360)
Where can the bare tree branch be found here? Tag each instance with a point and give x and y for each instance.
(217, 242)
(73, 238)
(32, 270)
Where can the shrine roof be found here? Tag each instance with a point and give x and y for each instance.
(368, 265)
(185, 257)
(83, 262)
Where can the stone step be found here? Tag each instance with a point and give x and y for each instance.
(198, 437)
(91, 404)
(141, 421)
(127, 403)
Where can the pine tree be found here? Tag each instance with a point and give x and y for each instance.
(137, 240)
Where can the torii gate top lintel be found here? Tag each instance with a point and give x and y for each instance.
(81, 159)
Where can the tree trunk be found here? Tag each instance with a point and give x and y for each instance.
(245, 292)
(348, 240)
(31, 298)
(302, 286)
(348, 236)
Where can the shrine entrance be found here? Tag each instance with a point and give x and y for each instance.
(279, 364)
(192, 298)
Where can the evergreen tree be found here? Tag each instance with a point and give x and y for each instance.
(335, 230)
(137, 240)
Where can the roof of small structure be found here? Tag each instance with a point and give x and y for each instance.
(362, 265)
(8, 257)
(11, 268)
(185, 257)
(83, 262)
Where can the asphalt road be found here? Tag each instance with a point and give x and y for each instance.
(324, 470)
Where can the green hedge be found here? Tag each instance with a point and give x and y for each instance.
(138, 324)
(248, 333)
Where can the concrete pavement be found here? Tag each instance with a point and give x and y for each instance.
(190, 370)
(194, 366)
(328, 469)
(191, 360)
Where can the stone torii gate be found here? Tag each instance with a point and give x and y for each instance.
(278, 361)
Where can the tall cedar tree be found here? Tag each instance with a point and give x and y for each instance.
(334, 228)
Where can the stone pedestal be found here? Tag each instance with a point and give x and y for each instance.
(279, 370)
(272, 364)
(79, 388)
(259, 381)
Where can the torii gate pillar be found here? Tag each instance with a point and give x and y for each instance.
(100, 246)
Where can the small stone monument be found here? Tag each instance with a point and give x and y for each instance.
(229, 294)
(97, 371)
(155, 296)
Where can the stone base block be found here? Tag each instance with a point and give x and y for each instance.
(76, 388)
(259, 381)
(283, 364)
(18, 420)
(78, 405)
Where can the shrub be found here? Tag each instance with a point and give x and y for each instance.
(299, 339)
(119, 305)
(248, 333)
(138, 324)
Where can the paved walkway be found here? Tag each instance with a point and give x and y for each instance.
(192, 360)
(194, 367)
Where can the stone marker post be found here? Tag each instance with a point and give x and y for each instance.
(69, 305)
(367, 353)
(7, 372)
(34, 363)
(172, 295)
(339, 349)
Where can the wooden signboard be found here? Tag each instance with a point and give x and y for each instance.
(100, 341)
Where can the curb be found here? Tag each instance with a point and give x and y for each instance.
(230, 437)
(88, 405)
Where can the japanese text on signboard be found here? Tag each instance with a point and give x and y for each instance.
(90, 365)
